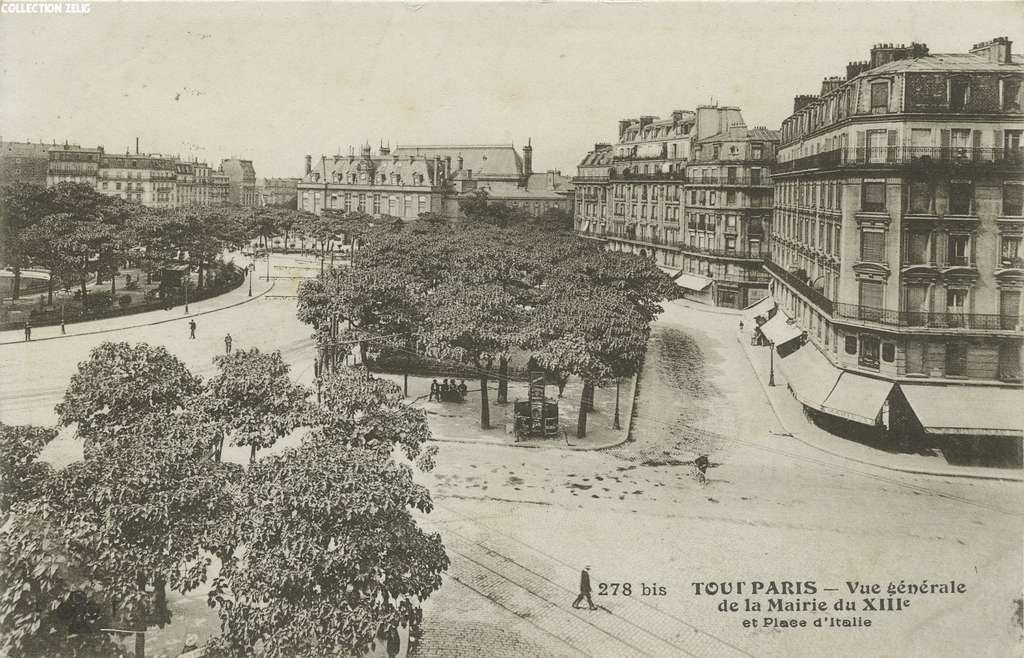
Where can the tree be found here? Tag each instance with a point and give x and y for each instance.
(21, 206)
(254, 398)
(474, 323)
(21, 476)
(591, 332)
(332, 554)
(111, 534)
(121, 383)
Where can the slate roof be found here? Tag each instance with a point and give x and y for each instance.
(486, 160)
(736, 134)
(947, 62)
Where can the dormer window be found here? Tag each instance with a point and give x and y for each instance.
(879, 97)
(959, 94)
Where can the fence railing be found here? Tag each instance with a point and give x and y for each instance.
(83, 313)
(800, 285)
(714, 179)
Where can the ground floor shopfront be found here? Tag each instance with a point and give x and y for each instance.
(711, 279)
(970, 422)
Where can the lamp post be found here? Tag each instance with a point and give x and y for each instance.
(615, 421)
(771, 364)
(188, 280)
(252, 270)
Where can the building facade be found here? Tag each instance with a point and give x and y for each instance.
(241, 182)
(409, 180)
(142, 178)
(692, 192)
(24, 163)
(277, 191)
(896, 240)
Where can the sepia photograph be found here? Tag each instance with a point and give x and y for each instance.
(512, 329)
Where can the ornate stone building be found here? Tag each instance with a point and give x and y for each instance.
(637, 195)
(410, 180)
(896, 243)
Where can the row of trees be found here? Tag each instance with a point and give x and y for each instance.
(477, 292)
(78, 233)
(319, 552)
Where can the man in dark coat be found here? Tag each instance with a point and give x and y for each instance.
(584, 590)
(435, 389)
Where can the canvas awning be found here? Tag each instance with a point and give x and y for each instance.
(671, 271)
(967, 410)
(693, 281)
(760, 307)
(586, 226)
(779, 330)
(810, 375)
(857, 398)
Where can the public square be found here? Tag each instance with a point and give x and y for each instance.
(519, 523)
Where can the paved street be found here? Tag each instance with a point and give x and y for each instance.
(520, 523)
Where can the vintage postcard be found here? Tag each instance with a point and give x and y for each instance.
(511, 329)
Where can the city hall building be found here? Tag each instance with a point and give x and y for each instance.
(896, 245)
(407, 181)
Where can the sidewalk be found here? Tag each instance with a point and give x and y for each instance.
(790, 413)
(459, 422)
(239, 295)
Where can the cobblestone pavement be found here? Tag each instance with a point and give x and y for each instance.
(520, 524)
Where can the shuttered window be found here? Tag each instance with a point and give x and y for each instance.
(1013, 199)
(1009, 361)
(917, 250)
(1009, 308)
(916, 306)
(920, 198)
(916, 350)
(872, 247)
(873, 196)
(880, 97)
(956, 359)
(871, 294)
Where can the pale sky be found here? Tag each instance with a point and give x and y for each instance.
(272, 82)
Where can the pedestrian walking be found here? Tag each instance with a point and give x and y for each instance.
(28, 331)
(702, 463)
(435, 388)
(227, 344)
(191, 329)
(741, 325)
(584, 590)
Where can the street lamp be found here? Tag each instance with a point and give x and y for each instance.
(188, 280)
(771, 364)
(615, 421)
(251, 270)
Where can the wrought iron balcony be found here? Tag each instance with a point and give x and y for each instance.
(914, 156)
(950, 319)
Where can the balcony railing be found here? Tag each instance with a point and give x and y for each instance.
(922, 156)
(678, 176)
(950, 319)
(730, 180)
(800, 285)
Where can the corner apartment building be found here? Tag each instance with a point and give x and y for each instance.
(277, 191)
(408, 180)
(728, 208)
(241, 181)
(690, 191)
(896, 244)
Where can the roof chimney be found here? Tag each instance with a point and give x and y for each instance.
(136, 146)
(309, 164)
(997, 51)
(528, 158)
(802, 101)
(853, 69)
